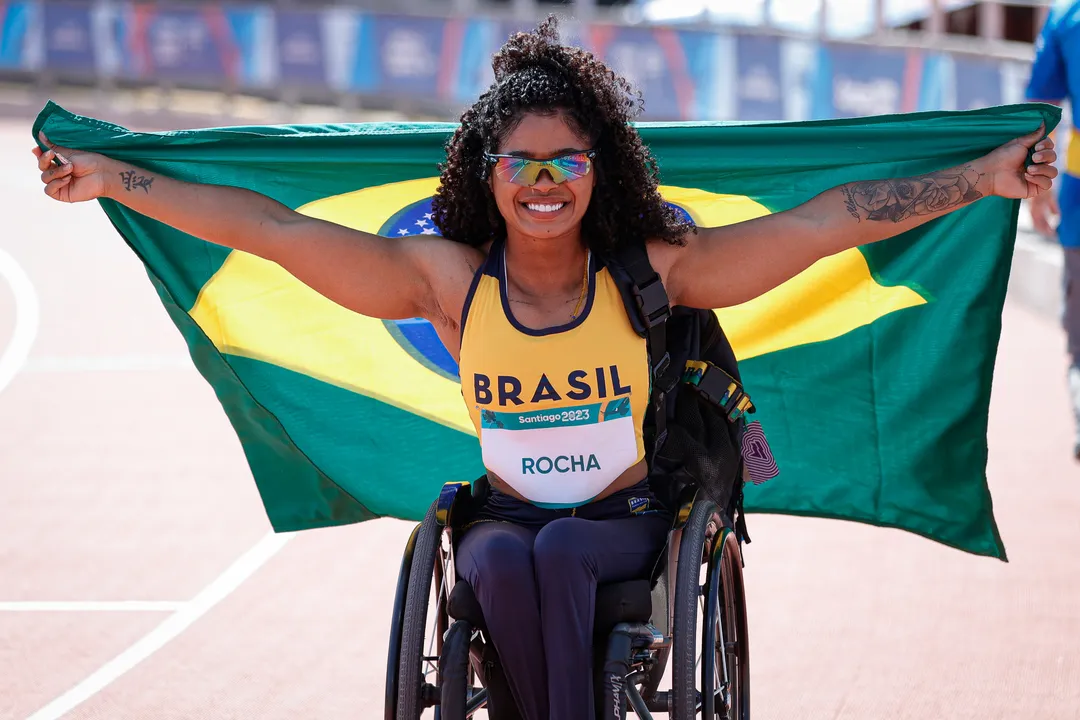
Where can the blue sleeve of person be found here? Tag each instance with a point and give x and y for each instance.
(1050, 73)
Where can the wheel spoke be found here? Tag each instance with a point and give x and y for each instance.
(431, 662)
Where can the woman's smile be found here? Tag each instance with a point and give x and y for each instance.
(545, 209)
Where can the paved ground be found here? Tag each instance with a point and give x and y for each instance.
(138, 578)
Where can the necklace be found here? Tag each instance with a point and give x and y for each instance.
(584, 286)
(584, 283)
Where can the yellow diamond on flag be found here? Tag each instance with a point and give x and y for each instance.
(253, 308)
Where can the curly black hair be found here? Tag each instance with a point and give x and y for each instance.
(535, 73)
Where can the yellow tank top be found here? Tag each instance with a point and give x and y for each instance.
(559, 412)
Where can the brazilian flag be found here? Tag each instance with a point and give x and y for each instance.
(871, 371)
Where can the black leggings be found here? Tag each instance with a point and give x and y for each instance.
(535, 573)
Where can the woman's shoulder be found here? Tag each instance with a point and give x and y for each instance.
(662, 255)
(441, 252)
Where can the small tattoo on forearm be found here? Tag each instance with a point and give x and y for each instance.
(849, 202)
(133, 181)
(898, 200)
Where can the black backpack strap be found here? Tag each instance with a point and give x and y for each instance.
(649, 309)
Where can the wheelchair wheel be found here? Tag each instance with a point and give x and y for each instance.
(710, 668)
(417, 661)
(459, 696)
(724, 630)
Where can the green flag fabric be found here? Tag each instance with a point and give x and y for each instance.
(871, 371)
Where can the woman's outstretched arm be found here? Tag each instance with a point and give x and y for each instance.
(725, 266)
(369, 274)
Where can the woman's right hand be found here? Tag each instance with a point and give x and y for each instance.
(80, 176)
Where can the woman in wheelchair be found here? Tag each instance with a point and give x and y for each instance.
(535, 571)
(546, 181)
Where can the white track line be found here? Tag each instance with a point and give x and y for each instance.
(27, 318)
(172, 626)
(91, 605)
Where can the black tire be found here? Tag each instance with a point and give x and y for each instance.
(692, 552)
(705, 540)
(455, 672)
(396, 622)
(410, 700)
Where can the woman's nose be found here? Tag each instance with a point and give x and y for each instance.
(544, 181)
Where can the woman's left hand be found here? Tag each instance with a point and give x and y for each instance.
(1009, 172)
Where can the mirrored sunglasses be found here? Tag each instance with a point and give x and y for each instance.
(525, 171)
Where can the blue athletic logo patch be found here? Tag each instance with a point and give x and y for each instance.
(638, 505)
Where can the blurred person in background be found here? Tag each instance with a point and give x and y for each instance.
(1055, 77)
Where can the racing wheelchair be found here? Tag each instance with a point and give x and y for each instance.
(691, 613)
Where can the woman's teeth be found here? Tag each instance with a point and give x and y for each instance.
(544, 207)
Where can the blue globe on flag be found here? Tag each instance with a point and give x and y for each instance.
(416, 335)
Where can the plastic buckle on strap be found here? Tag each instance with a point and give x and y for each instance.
(662, 367)
(717, 387)
(724, 391)
(652, 300)
(664, 378)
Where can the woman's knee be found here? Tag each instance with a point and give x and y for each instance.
(563, 544)
(495, 553)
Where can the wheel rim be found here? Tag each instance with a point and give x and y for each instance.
(437, 620)
(729, 650)
(719, 661)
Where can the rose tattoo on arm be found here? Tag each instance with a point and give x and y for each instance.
(898, 200)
